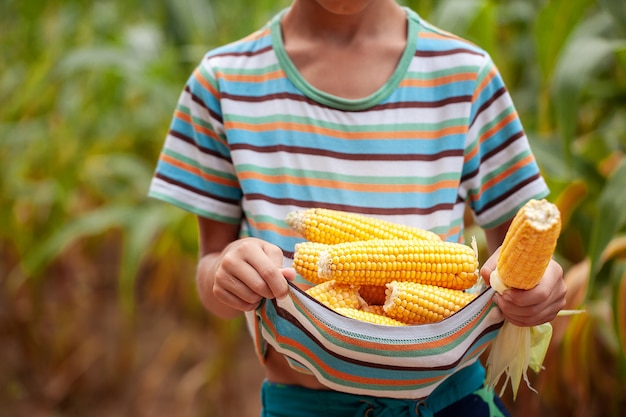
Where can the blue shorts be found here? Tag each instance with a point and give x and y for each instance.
(463, 394)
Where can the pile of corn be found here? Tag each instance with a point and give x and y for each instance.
(381, 272)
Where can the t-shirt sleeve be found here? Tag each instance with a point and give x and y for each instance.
(500, 171)
(195, 171)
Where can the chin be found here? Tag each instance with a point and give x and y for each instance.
(344, 7)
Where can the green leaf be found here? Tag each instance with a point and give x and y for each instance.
(610, 218)
(548, 154)
(141, 231)
(456, 15)
(554, 24)
(619, 306)
(95, 222)
(483, 30)
(572, 75)
(617, 10)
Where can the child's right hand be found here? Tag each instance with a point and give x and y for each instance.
(249, 270)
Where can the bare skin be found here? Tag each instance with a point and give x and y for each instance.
(348, 48)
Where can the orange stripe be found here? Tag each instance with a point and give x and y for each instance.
(453, 231)
(252, 78)
(395, 188)
(465, 76)
(198, 127)
(183, 116)
(197, 172)
(200, 78)
(489, 133)
(498, 126)
(471, 154)
(268, 226)
(503, 175)
(444, 35)
(258, 340)
(298, 127)
(484, 82)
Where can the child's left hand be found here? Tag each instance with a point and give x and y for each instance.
(535, 306)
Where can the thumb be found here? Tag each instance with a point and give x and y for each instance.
(288, 273)
(489, 266)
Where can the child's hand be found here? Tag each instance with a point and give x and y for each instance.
(249, 270)
(535, 306)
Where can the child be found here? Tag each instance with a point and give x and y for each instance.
(361, 106)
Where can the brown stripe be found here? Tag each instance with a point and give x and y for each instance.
(200, 103)
(493, 153)
(355, 209)
(386, 106)
(202, 149)
(269, 97)
(424, 104)
(244, 53)
(509, 192)
(504, 145)
(488, 103)
(195, 190)
(430, 54)
(348, 157)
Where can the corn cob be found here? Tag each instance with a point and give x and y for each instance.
(377, 262)
(306, 260)
(528, 246)
(373, 294)
(334, 226)
(367, 316)
(414, 303)
(524, 256)
(333, 295)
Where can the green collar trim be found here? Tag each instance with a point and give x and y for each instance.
(338, 102)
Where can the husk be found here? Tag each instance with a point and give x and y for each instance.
(515, 349)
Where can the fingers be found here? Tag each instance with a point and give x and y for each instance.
(288, 273)
(248, 272)
(538, 305)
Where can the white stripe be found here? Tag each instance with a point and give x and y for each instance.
(330, 165)
(194, 153)
(259, 61)
(297, 108)
(182, 195)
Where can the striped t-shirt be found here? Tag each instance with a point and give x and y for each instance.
(252, 140)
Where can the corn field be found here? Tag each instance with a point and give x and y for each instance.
(98, 311)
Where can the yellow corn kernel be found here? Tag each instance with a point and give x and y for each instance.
(306, 261)
(529, 245)
(368, 317)
(334, 295)
(414, 303)
(377, 262)
(334, 226)
(374, 308)
(373, 294)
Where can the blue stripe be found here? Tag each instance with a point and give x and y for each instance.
(251, 45)
(380, 146)
(197, 182)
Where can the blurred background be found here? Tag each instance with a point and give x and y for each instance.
(98, 311)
